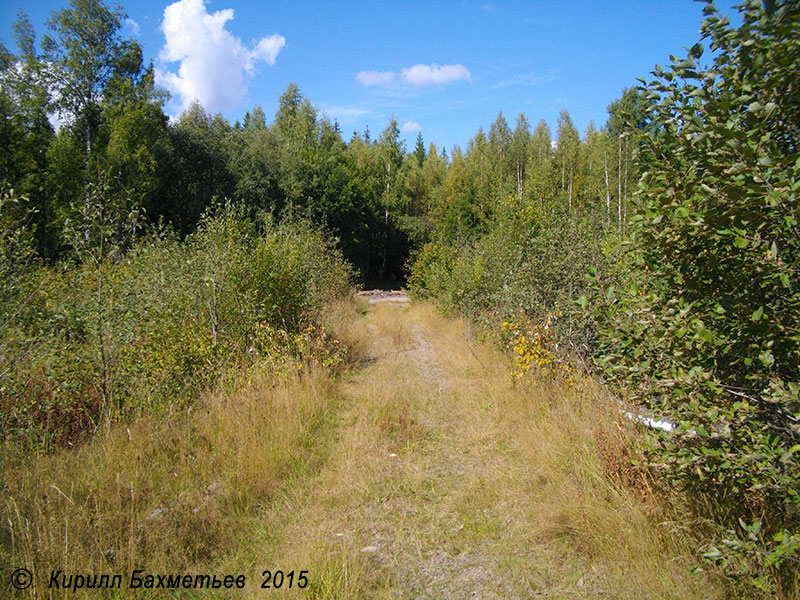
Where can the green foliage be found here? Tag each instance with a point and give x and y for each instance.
(107, 339)
(85, 55)
(430, 268)
(515, 224)
(567, 148)
(708, 331)
(137, 152)
(529, 266)
(26, 131)
(17, 260)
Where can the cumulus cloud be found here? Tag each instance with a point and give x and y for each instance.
(416, 76)
(212, 62)
(410, 127)
(425, 75)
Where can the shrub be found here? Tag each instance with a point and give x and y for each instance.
(528, 268)
(173, 317)
(710, 332)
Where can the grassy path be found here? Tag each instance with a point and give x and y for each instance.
(445, 481)
(423, 474)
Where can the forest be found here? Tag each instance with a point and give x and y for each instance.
(144, 261)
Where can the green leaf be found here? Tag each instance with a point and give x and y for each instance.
(736, 169)
(773, 198)
(787, 456)
(766, 358)
(757, 314)
(766, 161)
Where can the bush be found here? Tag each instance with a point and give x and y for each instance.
(710, 333)
(528, 268)
(171, 319)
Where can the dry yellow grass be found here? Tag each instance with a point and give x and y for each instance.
(169, 495)
(446, 480)
(425, 473)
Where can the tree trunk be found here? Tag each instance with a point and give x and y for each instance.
(625, 188)
(619, 184)
(87, 195)
(608, 191)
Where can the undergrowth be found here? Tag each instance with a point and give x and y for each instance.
(93, 342)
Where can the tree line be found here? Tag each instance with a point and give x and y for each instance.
(113, 143)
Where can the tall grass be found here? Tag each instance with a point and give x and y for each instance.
(167, 494)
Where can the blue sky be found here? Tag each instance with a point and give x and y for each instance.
(442, 68)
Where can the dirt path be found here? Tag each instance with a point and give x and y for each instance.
(428, 490)
(376, 296)
(405, 508)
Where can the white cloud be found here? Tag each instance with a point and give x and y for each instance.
(212, 62)
(425, 75)
(416, 76)
(370, 78)
(410, 127)
(133, 25)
